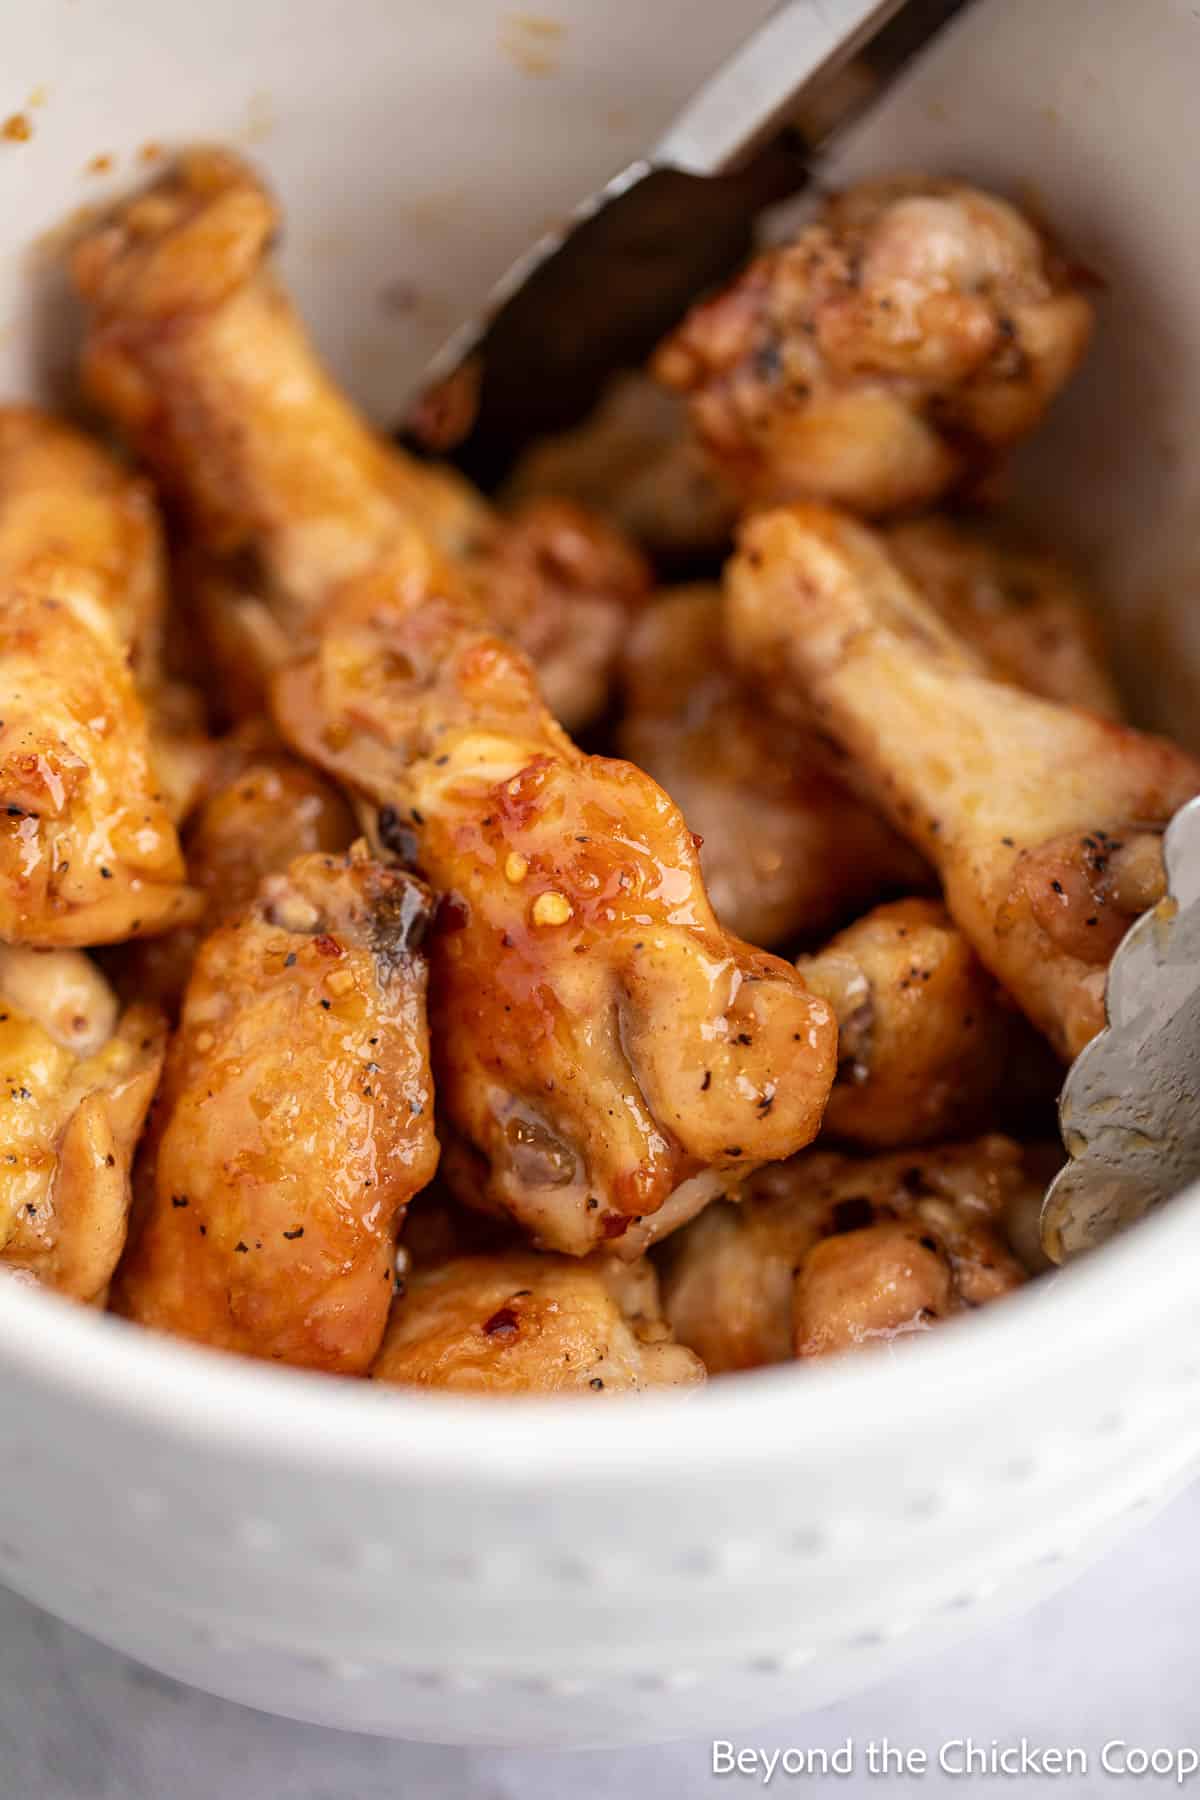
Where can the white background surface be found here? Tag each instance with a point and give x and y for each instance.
(1114, 1656)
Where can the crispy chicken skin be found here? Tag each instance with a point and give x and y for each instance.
(195, 352)
(1044, 821)
(295, 1123)
(928, 1045)
(519, 1323)
(78, 1081)
(607, 1057)
(1019, 607)
(88, 849)
(831, 1252)
(904, 338)
(635, 462)
(787, 849)
(264, 807)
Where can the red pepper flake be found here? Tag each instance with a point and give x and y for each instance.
(615, 1225)
(503, 1323)
(326, 945)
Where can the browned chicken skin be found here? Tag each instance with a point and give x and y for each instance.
(264, 808)
(928, 1046)
(77, 1082)
(1043, 821)
(1019, 607)
(190, 331)
(518, 1323)
(830, 1252)
(607, 1054)
(88, 850)
(787, 849)
(635, 462)
(908, 334)
(295, 1123)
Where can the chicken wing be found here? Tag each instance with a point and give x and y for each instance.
(88, 850)
(1020, 608)
(608, 1058)
(908, 334)
(295, 1123)
(928, 1046)
(1044, 822)
(635, 462)
(78, 1080)
(195, 352)
(519, 1323)
(787, 849)
(830, 1252)
(264, 808)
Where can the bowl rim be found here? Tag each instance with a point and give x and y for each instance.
(1065, 1320)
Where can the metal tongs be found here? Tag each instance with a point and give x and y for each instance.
(1130, 1106)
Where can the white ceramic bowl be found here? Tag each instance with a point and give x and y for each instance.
(555, 1573)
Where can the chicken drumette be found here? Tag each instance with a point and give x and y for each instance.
(294, 1125)
(928, 1045)
(518, 1323)
(263, 808)
(831, 1252)
(78, 1079)
(1020, 607)
(787, 849)
(1044, 821)
(608, 1057)
(903, 339)
(88, 849)
(189, 332)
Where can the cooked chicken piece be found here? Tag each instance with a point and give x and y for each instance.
(77, 1083)
(295, 1123)
(608, 1057)
(565, 587)
(928, 1046)
(787, 849)
(635, 462)
(195, 352)
(520, 1323)
(1044, 822)
(831, 1252)
(264, 808)
(88, 851)
(910, 333)
(1020, 608)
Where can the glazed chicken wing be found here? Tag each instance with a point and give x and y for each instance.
(196, 353)
(830, 1252)
(295, 1123)
(78, 1080)
(928, 1046)
(263, 808)
(608, 1058)
(519, 1323)
(1020, 608)
(908, 334)
(787, 850)
(88, 850)
(1044, 822)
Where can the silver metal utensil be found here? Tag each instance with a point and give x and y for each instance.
(1130, 1107)
(596, 295)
